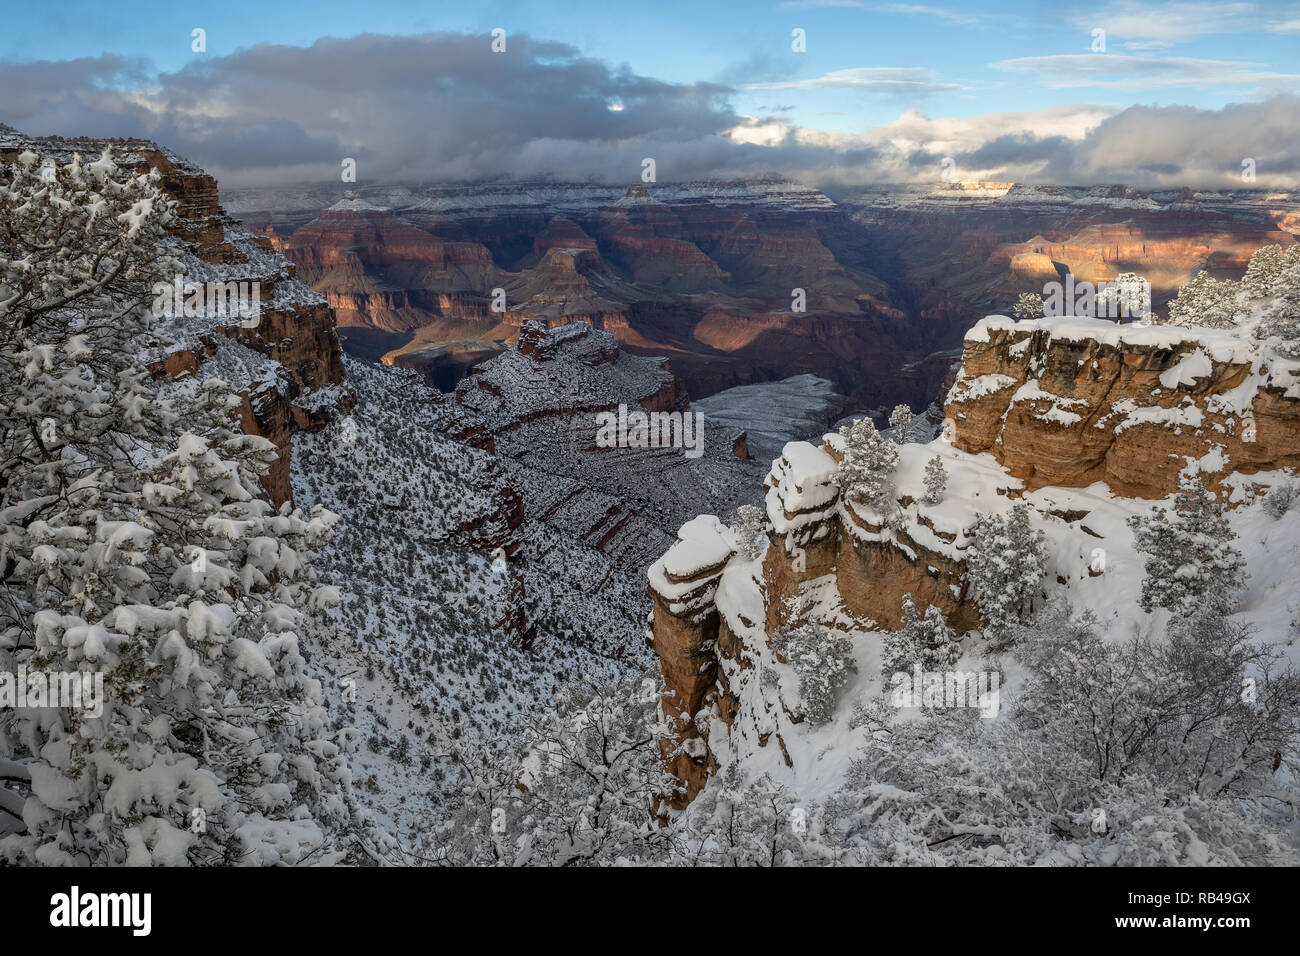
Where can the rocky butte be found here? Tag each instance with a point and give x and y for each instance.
(1082, 419)
(1071, 402)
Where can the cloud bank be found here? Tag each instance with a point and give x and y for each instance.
(444, 108)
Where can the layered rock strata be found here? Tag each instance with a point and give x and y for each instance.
(1069, 402)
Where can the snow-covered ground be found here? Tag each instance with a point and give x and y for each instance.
(421, 589)
(773, 413)
(1085, 527)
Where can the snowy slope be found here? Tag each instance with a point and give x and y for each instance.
(422, 589)
(773, 413)
(1081, 525)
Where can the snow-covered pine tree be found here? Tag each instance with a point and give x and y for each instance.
(1127, 296)
(936, 480)
(1281, 320)
(1280, 499)
(1266, 273)
(1270, 289)
(1028, 306)
(1004, 565)
(136, 543)
(1190, 556)
(900, 420)
(869, 461)
(1207, 302)
(927, 641)
(748, 529)
(822, 661)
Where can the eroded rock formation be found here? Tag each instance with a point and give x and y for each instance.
(1057, 405)
(1073, 401)
(856, 563)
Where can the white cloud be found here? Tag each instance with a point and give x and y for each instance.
(1137, 25)
(883, 79)
(1118, 70)
(942, 13)
(909, 9)
(760, 133)
(1148, 25)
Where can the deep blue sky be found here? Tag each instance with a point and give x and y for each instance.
(866, 65)
(1212, 53)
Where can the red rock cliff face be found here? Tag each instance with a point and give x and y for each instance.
(982, 253)
(383, 272)
(709, 283)
(1074, 402)
(295, 330)
(812, 536)
(685, 631)
(298, 333)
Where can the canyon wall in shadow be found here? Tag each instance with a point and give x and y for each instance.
(440, 278)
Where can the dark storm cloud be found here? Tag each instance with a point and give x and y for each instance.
(74, 96)
(27, 85)
(1014, 148)
(275, 143)
(1175, 145)
(923, 158)
(437, 106)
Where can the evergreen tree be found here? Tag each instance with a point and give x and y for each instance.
(936, 480)
(822, 661)
(1280, 499)
(1127, 296)
(137, 546)
(1028, 306)
(927, 641)
(900, 420)
(869, 461)
(1190, 556)
(1004, 565)
(1281, 320)
(1206, 302)
(1266, 274)
(748, 529)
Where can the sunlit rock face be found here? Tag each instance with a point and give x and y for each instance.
(1072, 401)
